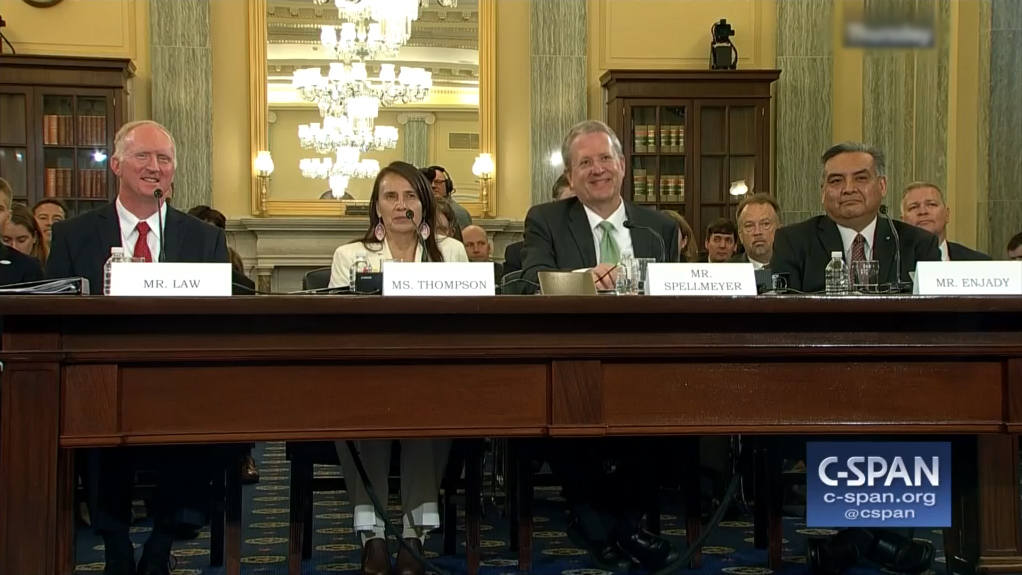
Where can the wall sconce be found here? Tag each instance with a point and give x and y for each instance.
(263, 169)
(483, 169)
(739, 188)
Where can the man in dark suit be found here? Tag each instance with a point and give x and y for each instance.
(144, 161)
(513, 251)
(922, 205)
(15, 267)
(587, 234)
(854, 185)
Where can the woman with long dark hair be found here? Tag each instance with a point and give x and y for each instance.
(392, 235)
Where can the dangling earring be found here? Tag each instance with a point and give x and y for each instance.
(379, 232)
(424, 231)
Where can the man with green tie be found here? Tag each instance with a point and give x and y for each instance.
(590, 232)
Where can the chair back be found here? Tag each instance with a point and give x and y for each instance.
(509, 283)
(316, 279)
(566, 283)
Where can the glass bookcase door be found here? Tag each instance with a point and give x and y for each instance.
(656, 152)
(14, 143)
(728, 160)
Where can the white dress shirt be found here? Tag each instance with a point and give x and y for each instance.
(129, 229)
(451, 249)
(756, 265)
(944, 255)
(622, 235)
(848, 236)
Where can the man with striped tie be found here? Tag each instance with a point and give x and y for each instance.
(140, 221)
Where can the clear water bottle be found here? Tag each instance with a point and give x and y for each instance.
(116, 255)
(360, 265)
(838, 280)
(626, 280)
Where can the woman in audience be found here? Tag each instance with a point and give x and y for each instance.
(393, 235)
(23, 234)
(686, 245)
(447, 220)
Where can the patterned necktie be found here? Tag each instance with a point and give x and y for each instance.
(859, 248)
(142, 243)
(609, 253)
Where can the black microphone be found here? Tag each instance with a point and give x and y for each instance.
(411, 217)
(897, 249)
(663, 247)
(158, 193)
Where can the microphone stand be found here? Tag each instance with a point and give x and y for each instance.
(663, 246)
(899, 285)
(158, 194)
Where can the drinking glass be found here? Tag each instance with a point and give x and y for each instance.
(642, 273)
(865, 276)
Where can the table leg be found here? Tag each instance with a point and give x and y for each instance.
(1000, 536)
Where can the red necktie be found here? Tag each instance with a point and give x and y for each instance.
(859, 248)
(142, 243)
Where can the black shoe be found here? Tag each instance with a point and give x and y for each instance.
(119, 568)
(151, 566)
(836, 555)
(900, 554)
(602, 553)
(648, 550)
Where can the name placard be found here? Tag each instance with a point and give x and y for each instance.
(968, 278)
(170, 279)
(438, 279)
(701, 279)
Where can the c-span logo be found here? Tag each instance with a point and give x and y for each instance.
(878, 484)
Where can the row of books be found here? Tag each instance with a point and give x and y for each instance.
(671, 138)
(61, 130)
(644, 188)
(60, 183)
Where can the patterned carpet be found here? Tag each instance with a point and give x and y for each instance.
(265, 535)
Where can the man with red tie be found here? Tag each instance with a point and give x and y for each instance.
(144, 161)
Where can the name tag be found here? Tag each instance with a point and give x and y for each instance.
(170, 279)
(438, 279)
(968, 278)
(701, 279)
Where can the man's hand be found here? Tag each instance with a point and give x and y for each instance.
(608, 273)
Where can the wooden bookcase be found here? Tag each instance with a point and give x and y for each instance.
(58, 118)
(690, 135)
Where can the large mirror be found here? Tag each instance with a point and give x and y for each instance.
(348, 86)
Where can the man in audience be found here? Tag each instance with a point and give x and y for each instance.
(144, 160)
(513, 252)
(757, 222)
(48, 212)
(587, 234)
(922, 205)
(478, 246)
(15, 267)
(721, 237)
(443, 187)
(853, 185)
(1015, 247)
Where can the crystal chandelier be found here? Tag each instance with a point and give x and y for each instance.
(372, 29)
(336, 133)
(347, 164)
(343, 82)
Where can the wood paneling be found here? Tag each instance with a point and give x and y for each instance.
(576, 396)
(94, 386)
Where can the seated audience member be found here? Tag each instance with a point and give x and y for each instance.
(686, 245)
(479, 247)
(22, 233)
(443, 188)
(446, 220)
(854, 184)
(1015, 247)
(513, 252)
(48, 212)
(144, 160)
(15, 267)
(758, 219)
(922, 205)
(721, 240)
(242, 284)
(398, 188)
(586, 233)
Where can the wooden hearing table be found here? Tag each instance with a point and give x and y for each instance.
(89, 371)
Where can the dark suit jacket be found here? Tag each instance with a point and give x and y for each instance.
(803, 250)
(558, 237)
(81, 245)
(513, 257)
(960, 253)
(21, 268)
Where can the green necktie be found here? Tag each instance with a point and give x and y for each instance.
(608, 247)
